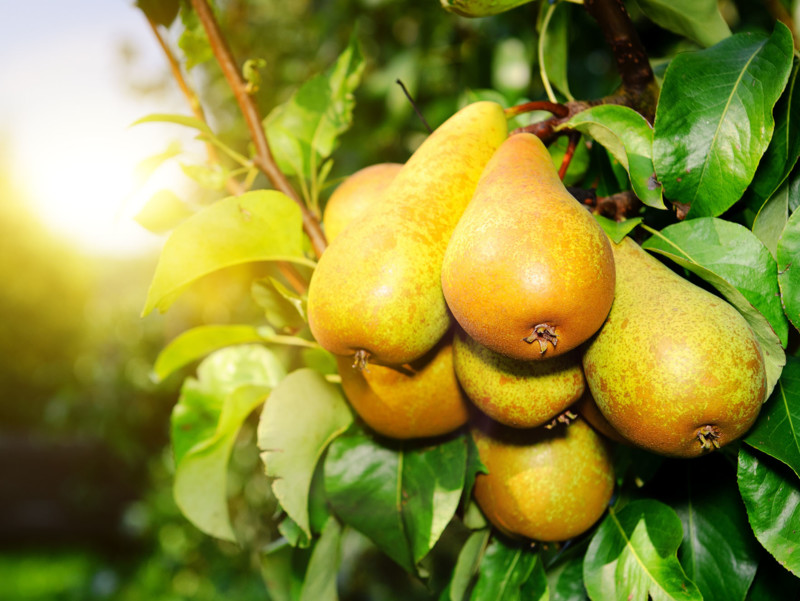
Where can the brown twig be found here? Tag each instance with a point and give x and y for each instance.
(547, 130)
(414, 105)
(569, 153)
(559, 110)
(618, 206)
(263, 158)
(778, 11)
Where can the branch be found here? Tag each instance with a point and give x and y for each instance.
(263, 158)
(778, 11)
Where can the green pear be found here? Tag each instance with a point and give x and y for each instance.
(522, 394)
(376, 292)
(675, 369)
(528, 271)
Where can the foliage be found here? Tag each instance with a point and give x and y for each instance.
(716, 175)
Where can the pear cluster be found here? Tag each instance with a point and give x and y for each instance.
(469, 287)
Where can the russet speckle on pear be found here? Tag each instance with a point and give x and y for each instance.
(377, 287)
(675, 369)
(528, 271)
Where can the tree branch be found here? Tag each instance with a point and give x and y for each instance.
(263, 158)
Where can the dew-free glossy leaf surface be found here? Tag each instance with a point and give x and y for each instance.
(323, 567)
(698, 20)
(771, 493)
(633, 554)
(469, 558)
(163, 212)
(772, 217)
(629, 138)
(714, 118)
(789, 268)
(617, 231)
(505, 570)
(262, 225)
(303, 415)
(230, 384)
(777, 430)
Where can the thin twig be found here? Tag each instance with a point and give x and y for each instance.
(263, 158)
(559, 110)
(569, 153)
(414, 104)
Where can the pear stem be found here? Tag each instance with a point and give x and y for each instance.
(554, 108)
(708, 437)
(565, 418)
(568, 154)
(543, 333)
(360, 359)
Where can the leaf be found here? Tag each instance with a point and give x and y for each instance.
(718, 550)
(783, 150)
(732, 253)
(629, 138)
(634, 553)
(672, 245)
(230, 384)
(401, 497)
(283, 569)
(198, 342)
(698, 20)
(772, 217)
(777, 430)
(303, 415)
(469, 558)
(554, 46)
(323, 567)
(210, 177)
(714, 118)
(617, 230)
(565, 580)
(304, 131)
(161, 12)
(771, 494)
(163, 212)
(505, 569)
(193, 41)
(788, 253)
(184, 120)
(262, 225)
(283, 308)
(146, 167)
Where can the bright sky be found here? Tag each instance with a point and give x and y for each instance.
(65, 111)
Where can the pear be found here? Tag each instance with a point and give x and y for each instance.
(521, 394)
(376, 292)
(355, 195)
(546, 485)
(528, 271)
(587, 408)
(417, 400)
(675, 369)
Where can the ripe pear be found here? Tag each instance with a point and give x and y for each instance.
(528, 271)
(521, 394)
(355, 195)
(417, 400)
(587, 408)
(675, 369)
(546, 485)
(376, 291)
(480, 8)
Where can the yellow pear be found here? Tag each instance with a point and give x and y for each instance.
(528, 271)
(417, 400)
(355, 195)
(522, 394)
(376, 292)
(546, 485)
(675, 369)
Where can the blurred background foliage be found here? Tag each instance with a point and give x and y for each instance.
(86, 509)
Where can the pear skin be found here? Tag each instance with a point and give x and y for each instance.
(528, 271)
(417, 400)
(355, 195)
(588, 410)
(521, 394)
(545, 485)
(376, 291)
(675, 369)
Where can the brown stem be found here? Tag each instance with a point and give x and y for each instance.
(546, 130)
(568, 154)
(263, 158)
(778, 11)
(618, 206)
(233, 186)
(559, 110)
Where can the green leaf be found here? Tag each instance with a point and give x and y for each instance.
(554, 46)
(184, 120)
(262, 225)
(469, 558)
(732, 253)
(789, 268)
(579, 164)
(698, 20)
(303, 415)
(193, 41)
(401, 497)
(718, 552)
(772, 217)
(505, 569)
(783, 150)
(323, 567)
(161, 12)
(777, 431)
(714, 118)
(304, 131)
(209, 177)
(198, 342)
(230, 384)
(146, 167)
(565, 580)
(771, 494)
(711, 246)
(283, 308)
(163, 212)
(283, 570)
(629, 138)
(617, 230)
(773, 582)
(633, 554)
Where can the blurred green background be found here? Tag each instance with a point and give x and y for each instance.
(86, 509)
